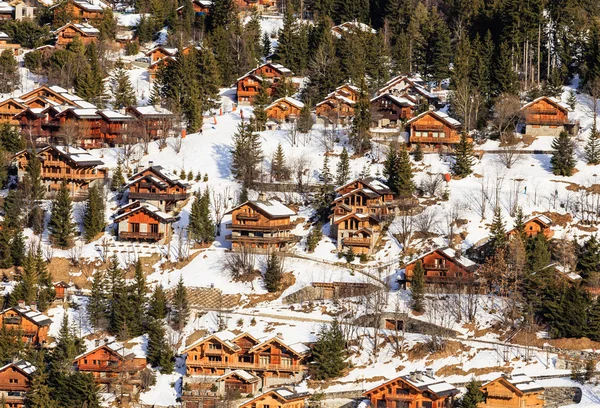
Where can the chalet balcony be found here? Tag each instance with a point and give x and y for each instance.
(429, 128)
(249, 227)
(14, 389)
(546, 121)
(542, 111)
(157, 196)
(426, 139)
(248, 366)
(435, 267)
(98, 368)
(214, 352)
(265, 240)
(12, 320)
(248, 217)
(360, 242)
(72, 176)
(150, 236)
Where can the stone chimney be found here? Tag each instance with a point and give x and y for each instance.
(419, 376)
(429, 372)
(150, 163)
(21, 304)
(33, 306)
(431, 108)
(413, 376)
(97, 342)
(262, 196)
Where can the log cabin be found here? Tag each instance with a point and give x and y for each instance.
(155, 66)
(284, 109)
(271, 71)
(115, 127)
(78, 11)
(443, 266)
(278, 398)
(262, 224)
(160, 52)
(546, 116)
(259, 5)
(159, 187)
(155, 121)
(111, 363)
(138, 221)
(399, 83)
(73, 165)
(271, 359)
(434, 130)
(416, 390)
(338, 106)
(389, 110)
(536, 225)
(47, 96)
(81, 125)
(9, 108)
(205, 389)
(247, 87)
(15, 382)
(512, 391)
(65, 34)
(6, 42)
(359, 212)
(28, 322)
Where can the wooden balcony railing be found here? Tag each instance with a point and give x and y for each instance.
(248, 217)
(428, 128)
(214, 352)
(247, 227)
(156, 196)
(99, 368)
(427, 139)
(366, 242)
(267, 240)
(16, 388)
(545, 121)
(248, 366)
(72, 176)
(435, 267)
(154, 236)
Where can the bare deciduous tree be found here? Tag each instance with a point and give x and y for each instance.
(509, 155)
(426, 221)
(452, 215)
(220, 203)
(240, 263)
(507, 111)
(431, 184)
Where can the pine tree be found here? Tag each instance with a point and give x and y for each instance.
(474, 396)
(343, 169)
(17, 248)
(122, 90)
(8, 71)
(35, 189)
(505, 79)
(40, 395)
(246, 155)
(398, 171)
(158, 303)
(305, 121)
(273, 273)
(279, 170)
(5, 253)
(45, 288)
(417, 287)
(89, 82)
(592, 148)
(68, 346)
(266, 44)
(97, 307)
(519, 226)
(260, 102)
(138, 297)
(221, 14)
(180, 307)
(243, 196)
(589, 259)
(572, 99)
(360, 137)
(159, 353)
(314, 237)
(118, 308)
(25, 289)
(93, 215)
(13, 207)
(118, 180)
(61, 226)
(463, 157)
(497, 231)
(418, 153)
(201, 226)
(329, 353)
(325, 174)
(563, 158)
(10, 138)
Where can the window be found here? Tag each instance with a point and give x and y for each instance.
(214, 359)
(265, 360)
(214, 346)
(286, 362)
(134, 227)
(154, 228)
(13, 381)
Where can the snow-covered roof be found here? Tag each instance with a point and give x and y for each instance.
(84, 28)
(33, 315)
(4, 36)
(549, 98)
(441, 115)
(114, 115)
(522, 382)
(85, 105)
(79, 155)
(274, 208)
(397, 99)
(151, 111)
(126, 210)
(160, 171)
(466, 262)
(280, 68)
(289, 100)
(120, 349)
(58, 89)
(245, 375)
(23, 365)
(6, 8)
(86, 5)
(424, 381)
(86, 113)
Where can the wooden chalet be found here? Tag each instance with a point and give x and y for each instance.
(247, 87)
(388, 110)
(115, 127)
(155, 66)
(536, 225)
(15, 382)
(6, 42)
(65, 34)
(204, 390)
(78, 10)
(259, 5)
(160, 52)
(416, 390)
(155, 121)
(546, 116)
(28, 322)
(271, 359)
(443, 266)
(400, 83)
(272, 71)
(138, 221)
(109, 363)
(358, 215)
(284, 109)
(155, 185)
(278, 398)
(512, 391)
(9, 108)
(338, 106)
(85, 122)
(7, 11)
(48, 96)
(60, 290)
(262, 224)
(434, 130)
(78, 168)
(412, 88)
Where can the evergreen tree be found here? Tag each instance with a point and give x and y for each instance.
(93, 215)
(68, 346)
(17, 248)
(5, 253)
(563, 158)
(474, 396)
(314, 237)
(329, 353)
(25, 289)
(592, 148)
(221, 14)
(325, 174)
(118, 180)
(181, 309)
(138, 297)
(538, 253)
(417, 287)
(593, 323)
(118, 308)
(8, 71)
(40, 395)
(279, 170)
(89, 82)
(497, 231)
(61, 226)
(157, 307)
(266, 44)
(305, 121)
(343, 169)
(572, 99)
(588, 263)
(505, 79)
(520, 224)
(463, 157)
(12, 207)
(247, 155)
(273, 273)
(10, 138)
(122, 90)
(418, 153)
(45, 288)
(33, 177)
(201, 226)
(261, 101)
(97, 307)
(159, 353)
(243, 197)
(360, 137)
(36, 220)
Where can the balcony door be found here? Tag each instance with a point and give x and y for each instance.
(134, 227)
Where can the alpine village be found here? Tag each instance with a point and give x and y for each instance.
(299, 203)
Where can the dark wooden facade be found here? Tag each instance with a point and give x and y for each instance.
(143, 222)
(15, 382)
(388, 110)
(443, 267)
(284, 109)
(434, 129)
(67, 33)
(158, 187)
(78, 11)
(27, 322)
